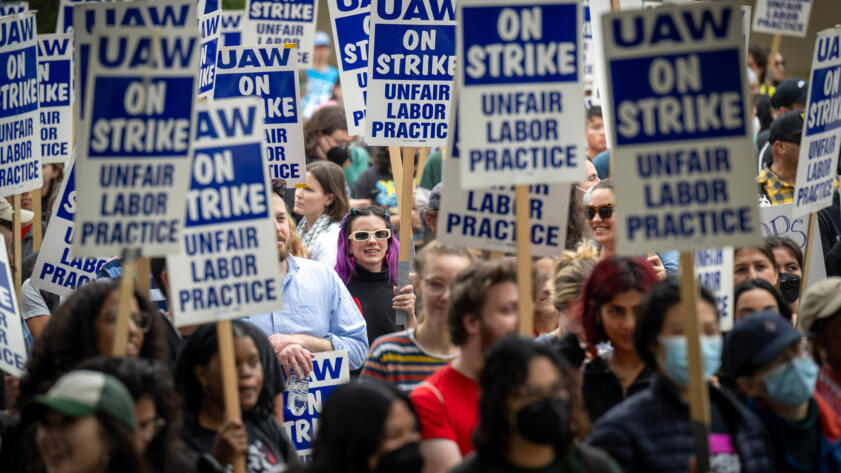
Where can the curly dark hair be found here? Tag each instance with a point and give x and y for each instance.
(468, 292)
(505, 369)
(70, 337)
(324, 121)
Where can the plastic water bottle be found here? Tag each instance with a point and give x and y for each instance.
(297, 390)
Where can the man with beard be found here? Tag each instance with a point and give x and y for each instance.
(318, 312)
(482, 309)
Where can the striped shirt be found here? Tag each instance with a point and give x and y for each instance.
(398, 359)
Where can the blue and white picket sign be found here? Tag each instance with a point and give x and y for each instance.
(64, 24)
(351, 21)
(330, 370)
(56, 95)
(680, 109)
(280, 22)
(56, 269)
(519, 89)
(13, 353)
(209, 12)
(270, 72)
(587, 72)
(410, 72)
(8, 8)
(819, 146)
(231, 22)
(777, 220)
(785, 17)
(227, 266)
(20, 129)
(714, 270)
(134, 153)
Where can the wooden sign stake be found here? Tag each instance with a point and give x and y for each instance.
(699, 400)
(129, 262)
(233, 411)
(405, 211)
(807, 254)
(37, 231)
(396, 170)
(772, 60)
(17, 241)
(144, 269)
(423, 153)
(524, 283)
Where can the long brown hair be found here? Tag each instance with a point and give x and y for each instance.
(331, 176)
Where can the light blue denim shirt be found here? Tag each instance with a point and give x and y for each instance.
(317, 303)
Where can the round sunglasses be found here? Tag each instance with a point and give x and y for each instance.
(363, 235)
(605, 211)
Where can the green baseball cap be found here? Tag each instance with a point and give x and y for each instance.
(83, 392)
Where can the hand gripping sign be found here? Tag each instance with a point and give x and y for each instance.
(410, 72)
(20, 140)
(12, 347)
(135, 151)
(351, 20)
(680, 108)
(279, 22)
(56, 95)
(519, 89)
(269, 72)
(227, 267)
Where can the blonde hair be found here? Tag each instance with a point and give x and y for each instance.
(570, 271)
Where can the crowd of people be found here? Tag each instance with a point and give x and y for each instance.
(602, 385)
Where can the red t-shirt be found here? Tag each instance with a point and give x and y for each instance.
(447, 404)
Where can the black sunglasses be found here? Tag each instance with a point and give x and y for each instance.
(605, 211)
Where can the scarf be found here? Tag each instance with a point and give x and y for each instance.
(310, 238)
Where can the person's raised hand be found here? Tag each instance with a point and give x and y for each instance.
(231, 440)
(297, 359)
(658, 266)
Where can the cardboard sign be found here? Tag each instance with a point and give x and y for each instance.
(269, 72)
(56, 95)
(134, 152)
(714, 270)
(227, 266)
(64, 24)
(777, 220)
(330, 370)
(410, 72)
(20, 137)
(680, 108)
(351, 21)
(9, 8)
(785, 17)
(231, 22)
(520, 92)
(209, 26)
(13, 353)
(818, 159)
(56, 269)
(282, 22)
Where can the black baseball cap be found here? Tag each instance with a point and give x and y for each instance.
(790, 92)
(786, 125)
(757, 340)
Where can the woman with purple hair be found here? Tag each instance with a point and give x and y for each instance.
(367, 263)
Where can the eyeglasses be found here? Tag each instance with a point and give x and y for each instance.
(363, 235)
(605, 211)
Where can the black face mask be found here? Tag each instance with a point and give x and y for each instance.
(545, 422)
(338, 154)
(406, 459)
(789, 286)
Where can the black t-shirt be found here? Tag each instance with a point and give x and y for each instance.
(269, 451)
(374, 294)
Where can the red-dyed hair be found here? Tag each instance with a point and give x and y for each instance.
(612, 276)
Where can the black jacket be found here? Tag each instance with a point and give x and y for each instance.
(602, 390)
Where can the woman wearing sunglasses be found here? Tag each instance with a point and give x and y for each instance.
(367, 263)
(601, 213)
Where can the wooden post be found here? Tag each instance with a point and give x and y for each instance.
(614, 6)
(807, 254)
(405, 210)
(144, 269)
(524, 283)
(495, 255)
(772, 60)
(230, 389)
(699, 401)
(37, 231)
(17, 241)
(423, 153)
(129, 263)
(396, 170)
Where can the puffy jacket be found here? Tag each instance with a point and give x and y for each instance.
(650, 432)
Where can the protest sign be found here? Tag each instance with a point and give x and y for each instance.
(587, 44)
(231, 22)
(330, 370)
(8, 8)
(777, 220)
(282, 22)
(680, 108)
(714, 270)
(12, 347)
(66, 17)
(56, 95)
(785, 17)
(410, 72)
(351, 21)
(818, 159)
(20, 140)
(135, 148)
(269, 72)
(56, 269)
(227, 266)
(208, 12)
(520, 92)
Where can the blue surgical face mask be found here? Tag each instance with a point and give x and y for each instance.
(676, 362)
(792, 384)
